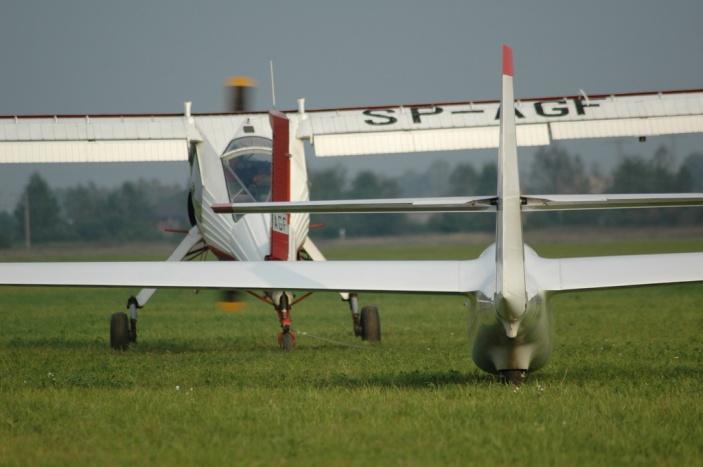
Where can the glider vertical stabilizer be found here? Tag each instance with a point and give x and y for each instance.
(510, 295)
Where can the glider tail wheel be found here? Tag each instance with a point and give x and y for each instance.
(286, 338)
(514, 377)
(370, 324)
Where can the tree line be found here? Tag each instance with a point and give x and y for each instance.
(133, 211)
(553, 170)
(138, 211)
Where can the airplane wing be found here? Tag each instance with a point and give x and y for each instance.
(353, 276)
(113, 138)
(353, 131)
(616, 271)
(475, 125)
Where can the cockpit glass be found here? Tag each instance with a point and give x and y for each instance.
(248, 142)
(248, 177)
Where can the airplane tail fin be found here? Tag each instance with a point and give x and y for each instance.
(280, 186)
(511, 292)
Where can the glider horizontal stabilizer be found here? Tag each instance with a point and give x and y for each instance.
(468, 204)
(610, 201)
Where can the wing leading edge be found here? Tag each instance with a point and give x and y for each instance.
(379, 276)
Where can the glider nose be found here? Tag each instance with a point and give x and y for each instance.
(510, 312)
(511, 327)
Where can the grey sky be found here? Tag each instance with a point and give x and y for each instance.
(150, 56)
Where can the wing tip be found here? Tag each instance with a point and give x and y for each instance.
(507, 60)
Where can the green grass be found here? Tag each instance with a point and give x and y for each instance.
(624, 385)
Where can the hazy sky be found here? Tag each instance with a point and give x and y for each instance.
(150, 56)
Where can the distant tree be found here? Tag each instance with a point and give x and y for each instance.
(436, 176)
(657, 175)
(487, 182)
(130, 215)
(47, 223)
(328, 183)
(555, 171)
(693, 166)
(8, 229)
(367, 185)
(86, 212)
(463, 180)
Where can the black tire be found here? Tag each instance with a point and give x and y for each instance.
(370, 324)
(119, 331)
(287, 342)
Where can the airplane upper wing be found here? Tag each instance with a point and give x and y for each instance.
(616, 271)
(351, 276)
(354, 131)
(113, 138)
(474, 125)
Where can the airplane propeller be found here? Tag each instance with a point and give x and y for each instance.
(240, 93)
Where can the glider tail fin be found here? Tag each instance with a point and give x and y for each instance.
(511, 293)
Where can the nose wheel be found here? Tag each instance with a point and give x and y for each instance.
(286, 338)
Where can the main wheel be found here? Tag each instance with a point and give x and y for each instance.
(119, 331)
(370, 324)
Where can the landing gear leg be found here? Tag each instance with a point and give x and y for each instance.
(355, 314)
(286, 338)
(132, 306)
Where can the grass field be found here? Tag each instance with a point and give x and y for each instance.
(205, 387)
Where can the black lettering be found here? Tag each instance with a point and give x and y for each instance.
(416, 113)
(380, 113)
(581, 105)
(518, 114)
(554, 111)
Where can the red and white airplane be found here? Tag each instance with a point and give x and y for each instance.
(249, 202)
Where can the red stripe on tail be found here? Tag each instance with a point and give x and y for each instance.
(507, 60)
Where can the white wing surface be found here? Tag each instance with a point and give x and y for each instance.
(381, 276)
(615, 271)
(113, 138)
(474, 125)
(93, 139)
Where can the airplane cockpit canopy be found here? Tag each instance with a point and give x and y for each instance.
(247, 167)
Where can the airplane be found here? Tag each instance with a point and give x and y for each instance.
(249, 204)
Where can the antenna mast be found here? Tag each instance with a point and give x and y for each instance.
(273, 85)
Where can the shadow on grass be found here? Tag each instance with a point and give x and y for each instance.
(153, 346)
(411, 379)
(623, 374)
(55, 343)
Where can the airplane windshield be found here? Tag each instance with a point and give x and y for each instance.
(248, 177)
